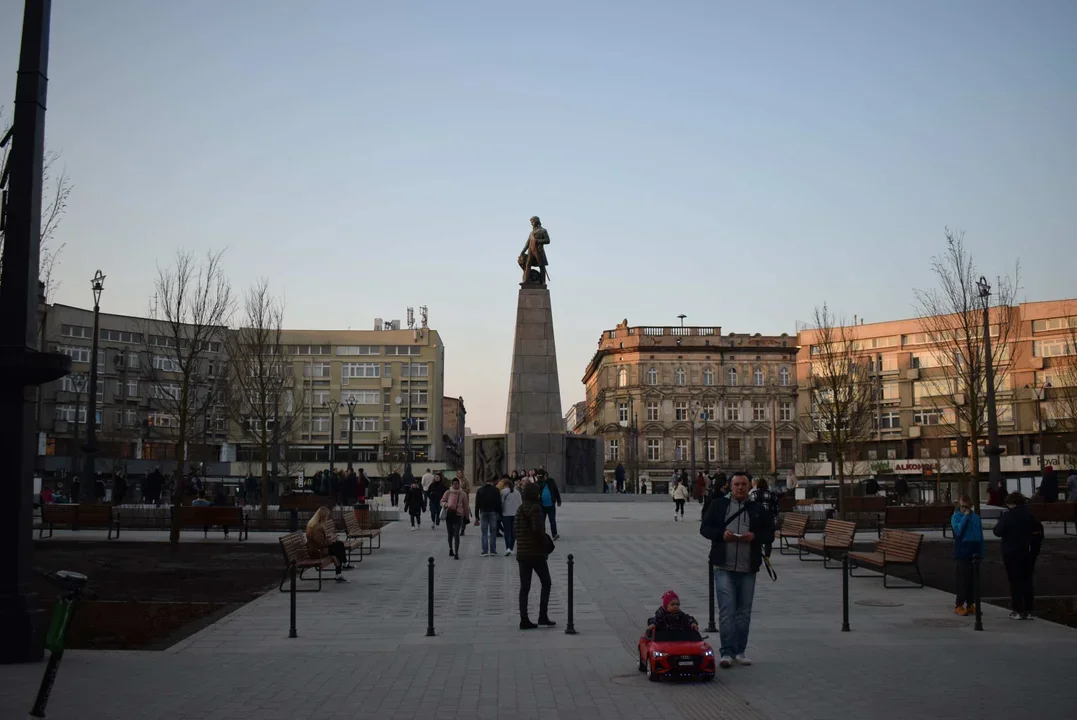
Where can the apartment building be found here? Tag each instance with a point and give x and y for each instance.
(916, 431)
(651, 389)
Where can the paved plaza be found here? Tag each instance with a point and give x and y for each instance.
(362, 650)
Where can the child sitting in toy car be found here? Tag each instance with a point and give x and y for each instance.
(670, 617)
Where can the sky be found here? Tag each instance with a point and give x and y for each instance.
(737, 162)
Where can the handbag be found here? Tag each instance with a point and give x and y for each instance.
(444, 513)
(547, 544)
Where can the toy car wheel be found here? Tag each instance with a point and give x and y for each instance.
(651, 674)
(642, 663)
(708, 678)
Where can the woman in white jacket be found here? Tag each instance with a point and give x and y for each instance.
(680, 494)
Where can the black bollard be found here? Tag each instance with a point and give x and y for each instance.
(976, 592)
(291, 574)
(845, 592)
(710, 596)
(430, 598)
(570, 627)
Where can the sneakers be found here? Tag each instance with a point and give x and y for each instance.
(508, 553)
(960, 610)
(341, 578)
(1028, 616)
(526, 624)
(676, 517)
(486, 554)
(556, 537)
(741, 660)
(972, 608)
(1015, 616)
(725, 662)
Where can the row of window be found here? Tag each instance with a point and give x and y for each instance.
(760, 411)
(682, 451)
(680, 376)
(321, 424)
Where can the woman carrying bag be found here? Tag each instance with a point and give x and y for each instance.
(456, 512)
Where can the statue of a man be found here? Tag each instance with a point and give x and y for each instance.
(533, 256)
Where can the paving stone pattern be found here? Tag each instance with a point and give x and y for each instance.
(362, 650)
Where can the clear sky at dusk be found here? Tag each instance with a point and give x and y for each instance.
(736, 162)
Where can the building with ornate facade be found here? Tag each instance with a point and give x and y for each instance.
(916, 431)
(652, 390)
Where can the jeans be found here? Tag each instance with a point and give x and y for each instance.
(435, 514)
(416, 519)
(452, 526)
(489, 522)
(509, 523)
(734, 592)
(551, 513)
(540, 568)
(965, 591)
(1019, 573)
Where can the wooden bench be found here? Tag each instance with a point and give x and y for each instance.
(794, 525)
(895, 547)
(207, 516)
(1059, 511)
(865, 510)
(78, 517)
(357, 529)
(351, 544)
(294, 548)
(837, 535)
(920, 516)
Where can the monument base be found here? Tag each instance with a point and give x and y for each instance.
(573, 461)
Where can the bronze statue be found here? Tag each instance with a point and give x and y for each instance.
(532, 258)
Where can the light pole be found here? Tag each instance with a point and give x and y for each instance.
(1040, 395)
(993, 449)
(97, 285)
(681, 317)
(693, 413)
(350, 402)
(332, 405)
(706, 442)
(78, 380)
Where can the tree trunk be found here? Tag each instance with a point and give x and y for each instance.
(264, 510)
(177, 491)
(841, 486)
(974, 472)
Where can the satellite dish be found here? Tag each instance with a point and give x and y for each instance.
(398, 400)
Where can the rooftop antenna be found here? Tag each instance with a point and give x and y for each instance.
(411, 318)
(155, 306)
(423, 315)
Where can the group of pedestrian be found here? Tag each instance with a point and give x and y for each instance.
(341, 486)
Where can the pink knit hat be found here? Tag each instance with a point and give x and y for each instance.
(668, 597)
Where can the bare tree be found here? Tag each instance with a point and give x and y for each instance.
(951, 316)
(183, 360)
(262, 390)
(842, 394)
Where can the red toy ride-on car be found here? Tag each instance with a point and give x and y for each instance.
(675, 653)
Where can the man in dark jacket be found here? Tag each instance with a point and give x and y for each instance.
(738, 530)
(437, 489)
(619, 477)
(1022, 536)
(488, 514)
(550, 500)
(1048, 489)
(415, 504)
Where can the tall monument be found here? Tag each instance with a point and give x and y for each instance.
(534, 427)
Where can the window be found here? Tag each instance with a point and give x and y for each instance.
(613, 449)
(652, 376)
(731, 373)
(652, 412)
(732, 449)
(169, 391)
(1054, 324)
(785, 411)
(317, 398)
(759, 410)
(680, 448)
(403, 350)
(654, 449)
(680, 410)
(927, 417)
(709, 411)
(622, 413)
(416, 370)
(359, 370)
(783, 377)
(357, 350)
(785, 450)
(760, 449)
(162, 341)
(311, 349)
(76, 331)
(929, 388)
(214, 347)
(66, 413)
(120, 336)
(732, 412)
(420, 397)
(161, 419)
(710, 447)
(680, 377)
(132, 361)
(622, 377)
(362, 397)
(362, 424)
(890, 421)
(319, 424)
(708, 377)
(132, 389)
(127, 418)
(890, 391)
(420, 424)
(76, 353)
(1052, 348)
(68, 384)
(165, 364)
(757, 377)
(316, 370)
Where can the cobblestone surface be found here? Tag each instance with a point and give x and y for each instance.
(362, 650)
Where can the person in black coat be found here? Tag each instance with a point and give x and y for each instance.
(415, 504)
(119, 489)
(1048, 489)
(1022, 536)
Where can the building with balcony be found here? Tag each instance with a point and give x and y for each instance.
(651, 390)
(917, 432)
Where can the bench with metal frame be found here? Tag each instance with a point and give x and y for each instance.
(1063, 512)
(207, 516)
(837, 536)
(794, 526)
(78, 517)
(920, 516)
(294, 548)
(895, 547)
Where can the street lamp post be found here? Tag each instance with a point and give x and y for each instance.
(97, 285)
(993, 449)
(706, 442)
(350, 402)
(332, 405)
(693, 413)
(1040, 394)
(78, 380)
